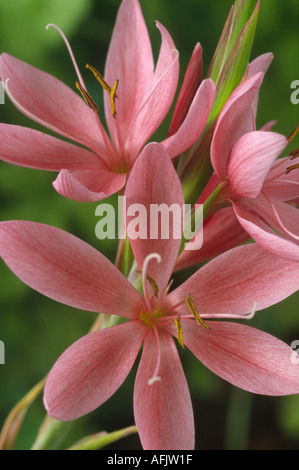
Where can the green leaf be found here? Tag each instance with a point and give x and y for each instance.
(238, 16)
(235, 66)
(102, 439)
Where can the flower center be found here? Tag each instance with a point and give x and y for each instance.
(152, 318)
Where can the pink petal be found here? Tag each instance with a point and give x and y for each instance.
(260, 64)
(236, 119)
(237, 280)
(244, 356)
(89, 185)
(153, 182)
(66, 269)
(221, 232)
(30, 148)
(251, 159)
(279, 185)
(129, 60)
(163, 410)
(50, 102)
(191, 82)
(194, 122)
(91, 370)
(265, 236)
(158, 98)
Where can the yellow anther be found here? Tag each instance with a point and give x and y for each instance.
(152, 283)
(113, 95)
(179, 330)
(88, 99)
(292, 167)
(294, 154)
(194, 312)
(104, 84)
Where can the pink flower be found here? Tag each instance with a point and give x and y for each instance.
(255, 182)
(133, 112)
(68, 270)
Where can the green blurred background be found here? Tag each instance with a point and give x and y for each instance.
(36, 330)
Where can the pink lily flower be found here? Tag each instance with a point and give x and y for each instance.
(68, 270)
(254, 180)
(222, 230)
(133, 112)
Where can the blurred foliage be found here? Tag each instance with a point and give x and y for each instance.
(36, 330)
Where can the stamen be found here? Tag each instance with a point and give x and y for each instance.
(168, 288)
(194, 312)
(292, 167)
(293, 134)
(152, 282)
(144, 276)
(233, 316)
(51, 25)
(85, 94)
(111, 91)
(155, 377)
(87, 98)
(113, 95)
(294, 154)
(179, 330)
(153, 380)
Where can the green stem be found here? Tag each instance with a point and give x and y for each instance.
(51, 434)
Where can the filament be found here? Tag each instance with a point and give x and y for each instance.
(144, 278)
(155, 377)
(51, 25)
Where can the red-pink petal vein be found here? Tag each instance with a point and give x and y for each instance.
(236, 280)
(50, 102)
(89, 185)
(158, 98)
(66, 269)
(163, 410)
(91, 370)
(30, 148)
(236, 119)
(154, 185)
(194, 122)
(251, 159)
(129, 60)
(244, 356)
